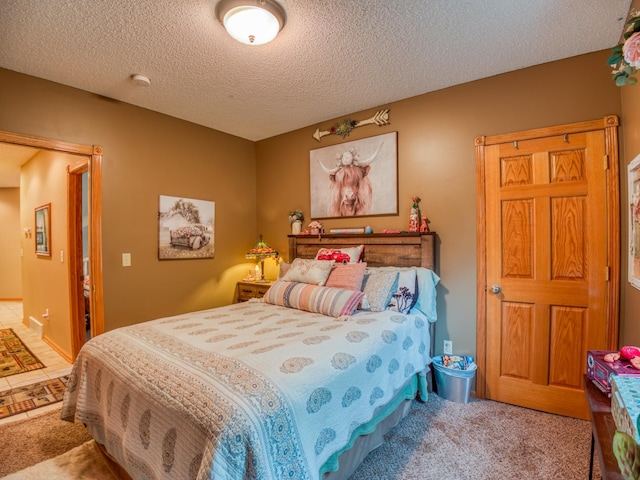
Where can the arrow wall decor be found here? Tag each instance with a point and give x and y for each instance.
(344, 127)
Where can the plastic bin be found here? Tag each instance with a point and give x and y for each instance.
(452, 384)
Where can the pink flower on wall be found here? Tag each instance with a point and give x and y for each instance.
(631, 50)
(625, 58)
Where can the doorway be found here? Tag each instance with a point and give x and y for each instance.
(92, 165)
(548, 262)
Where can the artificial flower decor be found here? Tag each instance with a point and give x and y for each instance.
(296, 216)
(625, 59)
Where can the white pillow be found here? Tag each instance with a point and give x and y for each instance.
(313, 272)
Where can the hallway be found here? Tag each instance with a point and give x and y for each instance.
(55, 365)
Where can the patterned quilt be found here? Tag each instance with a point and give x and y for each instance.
(246, 391)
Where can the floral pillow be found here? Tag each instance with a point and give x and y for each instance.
(313, 272)
(341, 255)
(377, 290)
(349, 276)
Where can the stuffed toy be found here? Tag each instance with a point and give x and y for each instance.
(632, 354)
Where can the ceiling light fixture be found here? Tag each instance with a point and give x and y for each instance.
(253, 22)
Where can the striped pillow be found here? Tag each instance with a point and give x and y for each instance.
(334, 302)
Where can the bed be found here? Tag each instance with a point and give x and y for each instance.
(300, 384)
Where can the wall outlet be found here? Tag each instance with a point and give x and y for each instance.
(448, 347)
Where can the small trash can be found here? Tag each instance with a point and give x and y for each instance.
(452, 383)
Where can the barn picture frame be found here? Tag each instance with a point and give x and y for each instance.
(371, 163)
(185, 228)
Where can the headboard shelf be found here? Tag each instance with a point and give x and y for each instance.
(406, 249)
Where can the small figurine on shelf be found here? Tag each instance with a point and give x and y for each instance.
(424, 228)
(414, 215)
(315, 228)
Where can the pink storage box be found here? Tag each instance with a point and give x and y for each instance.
(600, 372)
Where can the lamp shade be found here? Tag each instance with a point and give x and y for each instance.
(253, 22)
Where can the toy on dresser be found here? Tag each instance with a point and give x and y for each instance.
(602, 364)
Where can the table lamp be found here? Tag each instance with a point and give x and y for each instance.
(261, 251)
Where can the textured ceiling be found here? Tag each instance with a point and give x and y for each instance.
(332, 58)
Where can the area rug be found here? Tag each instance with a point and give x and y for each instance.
(22, 399)
(15, 357)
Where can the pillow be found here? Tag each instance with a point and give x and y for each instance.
(284, 268)
(377, 290)
(341, 255)
(314, 272)
(334, 302)
(404, 292)
(349, 276)
(427, 281)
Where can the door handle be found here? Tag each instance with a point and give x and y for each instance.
(496, 289)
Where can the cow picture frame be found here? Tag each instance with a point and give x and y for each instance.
(370, 163)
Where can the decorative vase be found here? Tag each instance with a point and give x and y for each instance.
(296, 227)
(414, 220)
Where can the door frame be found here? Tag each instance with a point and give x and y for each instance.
(609, 125)
(94, 155)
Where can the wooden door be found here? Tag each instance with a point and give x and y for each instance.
(547, 266)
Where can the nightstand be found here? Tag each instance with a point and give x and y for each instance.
(249, 290)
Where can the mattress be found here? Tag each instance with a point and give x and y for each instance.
(249, 390)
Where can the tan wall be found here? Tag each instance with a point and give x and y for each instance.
(630, 304)
(10, 234)
(43, 180)
(436, 159)
(146, 155)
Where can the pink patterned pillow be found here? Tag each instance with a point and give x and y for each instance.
(349, 276)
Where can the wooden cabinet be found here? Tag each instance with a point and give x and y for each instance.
(603, 428)
(249, 290)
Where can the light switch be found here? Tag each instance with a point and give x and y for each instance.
(126, 259)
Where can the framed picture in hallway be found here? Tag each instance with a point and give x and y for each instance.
(43, 230)
(633, 194)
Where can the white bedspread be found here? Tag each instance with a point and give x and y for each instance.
(250, 390)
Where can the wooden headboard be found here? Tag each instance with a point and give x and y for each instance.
(380, 249)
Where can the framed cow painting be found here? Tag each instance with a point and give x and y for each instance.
(355, 179)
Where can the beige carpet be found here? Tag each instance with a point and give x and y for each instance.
(441, 440)
(27, 442)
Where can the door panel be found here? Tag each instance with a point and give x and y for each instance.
(546, 237)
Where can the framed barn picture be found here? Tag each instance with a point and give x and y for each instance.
(185, 228)
(355, 179)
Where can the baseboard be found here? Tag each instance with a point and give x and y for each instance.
(60, 352)
(36, 325)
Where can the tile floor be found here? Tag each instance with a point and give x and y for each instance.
(55, 365)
